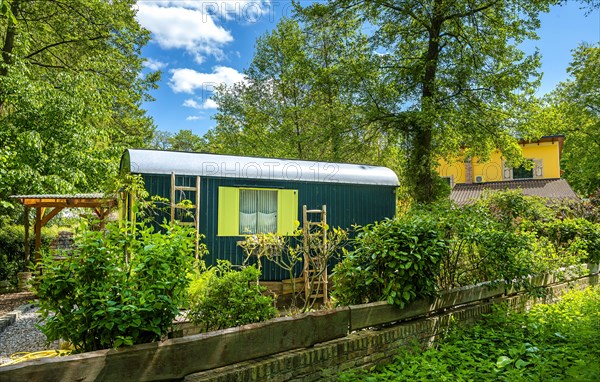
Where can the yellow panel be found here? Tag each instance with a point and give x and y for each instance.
(229, 211)
(287, 211)
(490, 171)
(548, 153)
(454, 169)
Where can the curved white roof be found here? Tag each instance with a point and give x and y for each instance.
(227, 166)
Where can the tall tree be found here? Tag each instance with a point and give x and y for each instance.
(576, 103)
(186, 140)
(299, 96)
(452, 76)
(70, 93)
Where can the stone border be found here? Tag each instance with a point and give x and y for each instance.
(10, 317)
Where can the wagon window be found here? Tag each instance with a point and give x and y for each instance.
(258, 211)
(247, 211)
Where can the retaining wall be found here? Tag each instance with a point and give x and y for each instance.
(308, 347)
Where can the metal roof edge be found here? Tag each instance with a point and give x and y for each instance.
(229, 166)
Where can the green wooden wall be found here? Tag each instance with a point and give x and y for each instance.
(347, 204)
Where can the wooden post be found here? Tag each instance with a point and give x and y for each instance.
(26, 245)
(324, 277)
(172, 197)
(39, 214)
(197, 217)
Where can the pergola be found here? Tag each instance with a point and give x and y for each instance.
(48, 206)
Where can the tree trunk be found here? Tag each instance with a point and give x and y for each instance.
(421, 161)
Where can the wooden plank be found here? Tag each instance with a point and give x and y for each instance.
(378, 313)
(178, 357)
(185, 188)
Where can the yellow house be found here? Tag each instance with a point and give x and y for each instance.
(470, 178)
(544, 153)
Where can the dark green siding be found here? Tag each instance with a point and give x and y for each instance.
(347, 204)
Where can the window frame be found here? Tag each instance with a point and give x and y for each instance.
(228, 210)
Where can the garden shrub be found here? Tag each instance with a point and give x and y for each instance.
(572, 237)
(121, 286)
(227, 298)
(510, 207)
(395, 260)
(12, 248)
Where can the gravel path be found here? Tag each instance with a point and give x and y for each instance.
(23, 335)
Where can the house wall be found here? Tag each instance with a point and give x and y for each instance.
(491, 170)
(347, 205)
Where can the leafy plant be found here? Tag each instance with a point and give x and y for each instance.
(117, 288)
(551, 342)
(289, 253)
(12, 249)
(395, 260)
(228, 298)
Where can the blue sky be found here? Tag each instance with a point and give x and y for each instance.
(199, 44)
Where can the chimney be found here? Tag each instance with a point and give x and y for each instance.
(469, 171)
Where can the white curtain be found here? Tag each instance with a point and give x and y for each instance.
(258, 211)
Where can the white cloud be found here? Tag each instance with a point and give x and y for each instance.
(154, 64)
(194, 118)
(243, 11)
(208, 104)
(188, 80)
(175, 26)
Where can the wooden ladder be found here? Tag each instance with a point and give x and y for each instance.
(315, 273)
(175, 206)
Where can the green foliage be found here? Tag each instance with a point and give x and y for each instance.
(117, 288)
(576, 105)
(552, 342)
(573, 236)
(510, 207)
(439, 85)
(225, 297)
(299, 97)
(12, 249)
(395, 260)
(505, 236)
(71, 91)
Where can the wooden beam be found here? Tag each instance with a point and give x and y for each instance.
(50, 215)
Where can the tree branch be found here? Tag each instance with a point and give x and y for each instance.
(64, 42)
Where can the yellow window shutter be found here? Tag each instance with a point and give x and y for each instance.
(229, 211)
(287, 211)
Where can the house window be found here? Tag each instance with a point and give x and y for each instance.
(536, 172)
(248, 211)
(522, 173)
(258, 211)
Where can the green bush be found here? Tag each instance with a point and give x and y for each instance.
(510, 207)
(573, 236)
(12, 249)
(395, 260)
(226, 298)
(121, 286)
